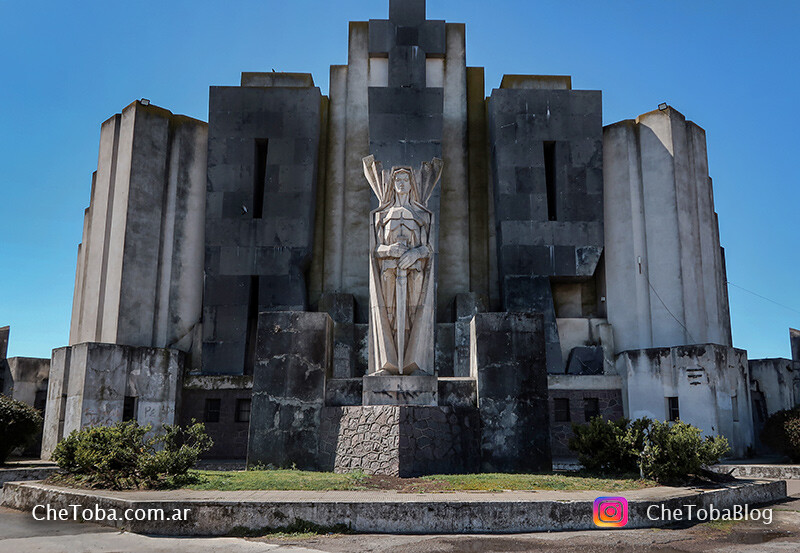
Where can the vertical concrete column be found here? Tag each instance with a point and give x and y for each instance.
(508, 361)
(664, 263)
(293, 358)
(139, 273)
(55, 413)
(794, 337)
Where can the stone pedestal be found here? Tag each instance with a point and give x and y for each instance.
(400, 390)
(398, 440)
(293, 358)
(508, 359)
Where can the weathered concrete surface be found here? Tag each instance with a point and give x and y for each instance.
(778, 381)
(21, 533)
(139, 278)
(665, 268)
(25, 474)
(263, 160)
(400, 390)
(89, 383)
(747, 470)
(710, 381)
(4, 332)
(400, 440)
(26, 380)
(580, 402)
(508, 361)
(218, 513)
(547, 172)
(293, 359)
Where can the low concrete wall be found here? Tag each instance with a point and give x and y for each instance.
(778, 472)
(25, 474)
(381, 512)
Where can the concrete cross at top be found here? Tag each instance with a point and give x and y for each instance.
(408, 39)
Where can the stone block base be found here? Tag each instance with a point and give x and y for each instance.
(398, 440)
(401, 390)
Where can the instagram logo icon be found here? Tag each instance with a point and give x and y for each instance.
(611, 512)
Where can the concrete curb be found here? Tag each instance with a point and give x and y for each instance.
(25, 474)
(777, 472)
(427, 514)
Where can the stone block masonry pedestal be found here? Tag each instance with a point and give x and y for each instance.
(293, 359)
(509, 362)
(400, 440)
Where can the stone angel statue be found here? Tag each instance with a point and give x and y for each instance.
(401, 287)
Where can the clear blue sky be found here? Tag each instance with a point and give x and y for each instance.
(732, 67)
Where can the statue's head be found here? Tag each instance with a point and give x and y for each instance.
(402, 181)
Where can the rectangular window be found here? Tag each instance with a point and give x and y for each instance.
(211, 411)
(549, 150)
(40, 400)
(242, 410)
(673, 413)
(591, 408)
(260, 177)
(561, 409)
(129, 409)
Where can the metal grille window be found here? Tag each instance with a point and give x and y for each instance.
(591, 408)
(242, 410)
(561, 409)
(211, 411)
(673, 413)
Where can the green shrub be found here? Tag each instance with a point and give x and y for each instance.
(19, 425)
(176, 451)
(121, 456)
(674, 451)
(782, 433)
(609, 446)
(664, 451)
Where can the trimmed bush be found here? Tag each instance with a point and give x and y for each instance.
(664, 451)
(609, 446)
(674, 451)
(19, 425)
(121, 456)
(782, 433)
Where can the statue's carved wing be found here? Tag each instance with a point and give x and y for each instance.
(373, 170)
(430, 173)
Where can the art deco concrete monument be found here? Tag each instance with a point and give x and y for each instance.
(242, 272)
(401, 280)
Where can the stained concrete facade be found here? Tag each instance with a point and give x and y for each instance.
(24, 379)
(665, 270)
(263, 158)
(101, 384)
(706, 385)
(140, 265)
(609, 233)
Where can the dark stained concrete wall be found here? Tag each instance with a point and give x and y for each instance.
(545, 234)
(509, 365)
(258, 249)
